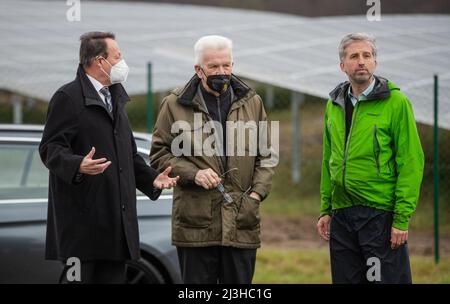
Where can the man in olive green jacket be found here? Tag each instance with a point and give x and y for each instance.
(215, 218)
(371, 172)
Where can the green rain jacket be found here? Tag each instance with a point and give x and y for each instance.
(381, 163)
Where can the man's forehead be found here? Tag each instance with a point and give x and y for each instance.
(112, 45)
(359, 46)
(214, 54)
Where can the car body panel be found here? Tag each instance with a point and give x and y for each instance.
(23, 213)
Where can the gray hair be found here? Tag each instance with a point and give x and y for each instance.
(353, 37)
(214, 42)
(93, 44)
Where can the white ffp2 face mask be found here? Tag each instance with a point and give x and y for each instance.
(119, 72)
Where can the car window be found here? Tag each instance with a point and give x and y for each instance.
(23, 176)
(38, 175)
(22, 173)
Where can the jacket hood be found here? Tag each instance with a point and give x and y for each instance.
(381, 90)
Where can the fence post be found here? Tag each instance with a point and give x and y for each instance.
(150, 114)
(16, 101)
(269, 97)
(436, 171)
(296, 101)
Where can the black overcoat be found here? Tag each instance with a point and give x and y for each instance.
(94, 218)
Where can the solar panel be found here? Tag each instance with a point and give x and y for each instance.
(39, 47)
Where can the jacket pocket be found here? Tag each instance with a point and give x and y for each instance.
(248, 213)
(195, 210)
(86, 192)
(376, 149)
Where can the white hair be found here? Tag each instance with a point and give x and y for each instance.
(353, 37)
(214, 42)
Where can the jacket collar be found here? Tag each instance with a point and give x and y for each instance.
(381, 90)
(91, 96)
(190, 95)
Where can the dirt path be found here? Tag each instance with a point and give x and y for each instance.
(286, 232)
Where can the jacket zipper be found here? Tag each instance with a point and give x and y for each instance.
(218, 110)
(222, 165)
(376, 149)
(217, 158)
(355, 113)
(205, 121)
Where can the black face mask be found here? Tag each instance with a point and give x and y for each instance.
(218, 83)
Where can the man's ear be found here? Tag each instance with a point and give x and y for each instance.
(98, 61)
(198, 71)
(341, 65)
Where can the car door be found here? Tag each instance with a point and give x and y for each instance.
(23, 208)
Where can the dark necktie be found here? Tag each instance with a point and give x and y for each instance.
(107, 94)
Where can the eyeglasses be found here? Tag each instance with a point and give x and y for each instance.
(221, 188)
(225, 195)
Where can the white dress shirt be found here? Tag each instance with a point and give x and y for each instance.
(98, 86)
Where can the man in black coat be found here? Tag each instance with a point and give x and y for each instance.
(89, 149)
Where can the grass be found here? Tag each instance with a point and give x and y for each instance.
(290, 266)
(296, 266)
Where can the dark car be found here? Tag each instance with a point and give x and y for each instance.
(23, 214)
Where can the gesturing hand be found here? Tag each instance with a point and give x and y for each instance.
(163, 181)
(93, 166)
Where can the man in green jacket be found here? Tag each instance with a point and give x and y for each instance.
(225, 172)
(371, 172)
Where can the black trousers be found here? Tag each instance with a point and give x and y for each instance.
(97, 272)
(359, 238)
(216, 265)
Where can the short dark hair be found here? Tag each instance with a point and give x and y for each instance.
(93, 44)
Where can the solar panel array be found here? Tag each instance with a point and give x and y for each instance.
(39, 47)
